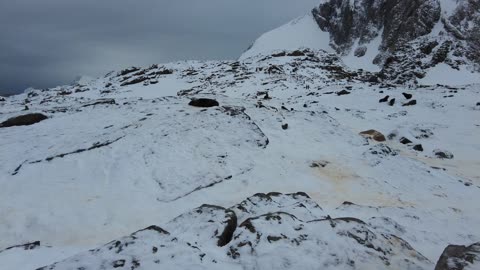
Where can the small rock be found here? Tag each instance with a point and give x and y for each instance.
(373, 134)
(478, 103)
(100, 101)
(418, 147)
(407, 96)
(285, 126)
(343, 92)
(203, 102)
(118, 263)
(360, 51)
(404, 140)
(410, 103)
(442, 154)
(392, 102)
(24, 120)
(385, 99)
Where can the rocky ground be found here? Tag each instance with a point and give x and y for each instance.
(391, 172)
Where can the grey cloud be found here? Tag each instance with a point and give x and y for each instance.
(49, 42)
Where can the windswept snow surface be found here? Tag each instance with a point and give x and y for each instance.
(300, 33)
(444, 74)
(99, 169)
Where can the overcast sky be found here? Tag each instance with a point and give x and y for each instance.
(44, 43)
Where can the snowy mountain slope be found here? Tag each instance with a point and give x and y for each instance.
(300, 33)
(126, 151)
(405, 41)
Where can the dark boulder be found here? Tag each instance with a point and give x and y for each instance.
(459, 258)
(343, 92)
(285, 126)
(385, 99)
(24, 120)
(404, 140)
(442, 154)
(410, 103)
(407, 96)
(360, 51)
(296, 53)
(110, 101)
(392, 102)
(373, 134)
(418, 147)
(203, 102)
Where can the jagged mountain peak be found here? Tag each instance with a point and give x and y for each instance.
(402, 40)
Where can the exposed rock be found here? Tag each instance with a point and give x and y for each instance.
(2, 99)
(343, 92)
(23, 120)
(442, 154)
(382, 150)
(350, 242)
(27, 246)
(459, 258)
(418, 147)
(407, 96)
(406, 50)
(404, 140)
(285, 126)
(401, 21)
(128, 70)
(203, 102)
(274, 229)
(391, 102)
(280, 54)
(373, 134)
(134, 80)
(360, 51)
(385, 99)
(296, 53)
(410, 103)
(100, 101)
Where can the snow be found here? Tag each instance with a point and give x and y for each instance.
(300, 33)
(449, 6)
(446, 75)
(92, 174)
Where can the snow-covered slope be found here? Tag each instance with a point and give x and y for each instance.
(127, 151)
(300, 33)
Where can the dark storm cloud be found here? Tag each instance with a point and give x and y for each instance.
(49, 42)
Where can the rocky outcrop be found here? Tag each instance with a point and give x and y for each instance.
(265, 231)
(409, 45)
(400, 20)
(24, 120)
(459, 258)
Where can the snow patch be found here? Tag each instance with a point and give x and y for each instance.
(300, 33)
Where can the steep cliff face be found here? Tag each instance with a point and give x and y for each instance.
(415, 34)
(398, 21)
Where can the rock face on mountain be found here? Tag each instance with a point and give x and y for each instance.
(459, 258)
(415, 34)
